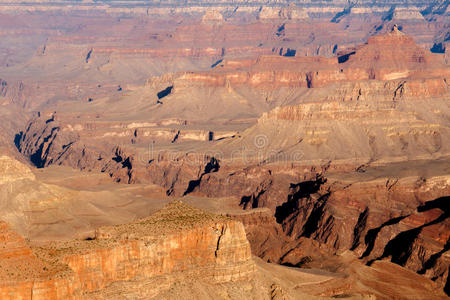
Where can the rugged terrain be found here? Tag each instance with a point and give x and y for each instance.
(133, 260)
(279, 150)
(177, 250)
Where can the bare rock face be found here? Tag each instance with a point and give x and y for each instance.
(49, 141)
(395, 55)
(267, 238)
(414, 235)
(387, 134)
(175, 244)
(376, 212)
(45, 135)
(25, 276)
(378, 107)
(389, 56)
(407, 14)
(282, 13)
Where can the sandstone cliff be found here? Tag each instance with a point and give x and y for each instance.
(140, 259)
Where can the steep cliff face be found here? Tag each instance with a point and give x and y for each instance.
(202, 5)
(219, 253)
(51, 142)
(24, 276)
(48, 141)
(383, 58)
(177, 243)
(380, 99)
(324, 131)
(291, 12)
(395, 212)
(404, 220)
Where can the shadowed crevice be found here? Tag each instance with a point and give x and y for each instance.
(165, 92)
(359, 228)
(210, 167)
(372, 234)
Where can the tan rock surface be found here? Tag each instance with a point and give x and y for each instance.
(175, 243)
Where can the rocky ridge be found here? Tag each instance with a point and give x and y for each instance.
(176, 241)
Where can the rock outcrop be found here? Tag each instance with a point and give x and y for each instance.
(389, 56)
(407, 14)
(25, 276)
(282, 13)
(414, 233)
(140, 259)
(382, 104)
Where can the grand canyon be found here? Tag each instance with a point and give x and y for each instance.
(212, 149)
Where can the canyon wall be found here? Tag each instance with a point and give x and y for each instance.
(144, 258)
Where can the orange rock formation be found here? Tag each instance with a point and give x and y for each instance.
(176, 243)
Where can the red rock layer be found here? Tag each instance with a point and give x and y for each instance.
(176, 243)
(385, 57)
(24, 276)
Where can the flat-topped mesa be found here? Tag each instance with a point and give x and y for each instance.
(389, 56)
(177, 243)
